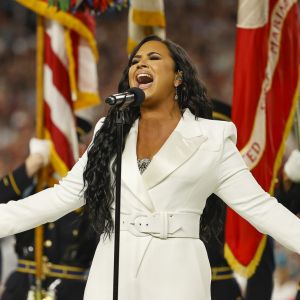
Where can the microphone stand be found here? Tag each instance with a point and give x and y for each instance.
(120, 121)
(135, 97)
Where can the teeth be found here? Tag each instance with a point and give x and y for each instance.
(143, 75)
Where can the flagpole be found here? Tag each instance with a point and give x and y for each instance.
(39, 231)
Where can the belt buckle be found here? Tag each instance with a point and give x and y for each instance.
(156, 225)
(135, 227)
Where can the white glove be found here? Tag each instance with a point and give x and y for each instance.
(292, 166)
(41, 147)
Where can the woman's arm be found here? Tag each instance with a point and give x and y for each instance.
(238, 188)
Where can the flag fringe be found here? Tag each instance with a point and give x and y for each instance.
(148, 18)
(58, 165)
(81, 99)
(85, 99)
(64, 18)
(245, 271)
(72, 68)
(131, 44)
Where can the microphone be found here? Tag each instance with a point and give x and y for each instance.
(134, 96)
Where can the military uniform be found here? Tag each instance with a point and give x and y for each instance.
(224, 286)
(290, 199)
(68, 249)
(260, 285)
(10, 189)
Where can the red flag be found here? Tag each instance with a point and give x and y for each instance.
(265, 97)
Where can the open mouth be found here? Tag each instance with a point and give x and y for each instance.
(144, 80)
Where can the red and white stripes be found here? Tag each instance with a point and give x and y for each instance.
(58, 104)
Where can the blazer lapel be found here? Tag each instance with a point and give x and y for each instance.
(179, 147)
(130, 173)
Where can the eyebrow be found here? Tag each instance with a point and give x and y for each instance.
(148, 54)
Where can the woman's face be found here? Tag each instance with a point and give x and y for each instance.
(153, 71)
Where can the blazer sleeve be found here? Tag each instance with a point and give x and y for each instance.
(45, 206)
(239, 190)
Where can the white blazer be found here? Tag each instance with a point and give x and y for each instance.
(199, 158)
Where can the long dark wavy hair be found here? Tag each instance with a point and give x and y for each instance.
(99, 173)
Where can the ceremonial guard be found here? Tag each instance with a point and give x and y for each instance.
(68, 244)
(224, 286)
(288, 191)
(260, 284)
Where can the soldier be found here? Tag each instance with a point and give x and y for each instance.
(68, 245)
(224, 285)
(260, 284)
(288, 191)
(14, 183)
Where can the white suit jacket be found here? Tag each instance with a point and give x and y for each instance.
(199, 158)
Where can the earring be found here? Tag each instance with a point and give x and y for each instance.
(179, 77)
(176, 93)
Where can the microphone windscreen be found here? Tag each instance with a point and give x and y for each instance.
(139, 95)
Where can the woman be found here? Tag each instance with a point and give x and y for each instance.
(161, 255)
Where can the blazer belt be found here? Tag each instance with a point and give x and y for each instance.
(162, 225)
(53, 270)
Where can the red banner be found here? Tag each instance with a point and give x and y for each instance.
(264, 100)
